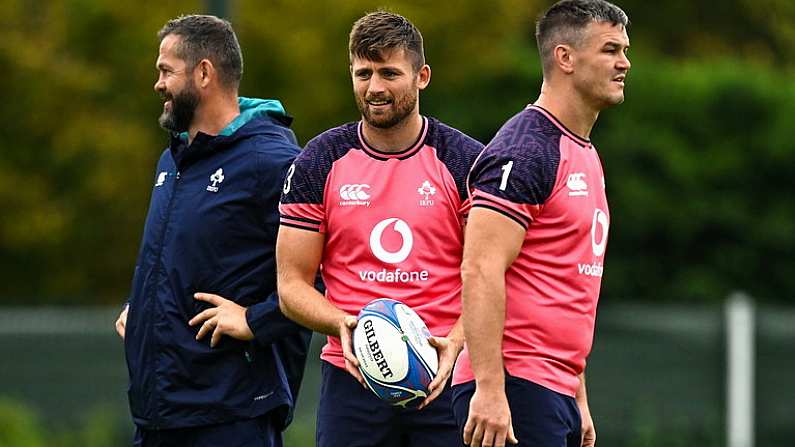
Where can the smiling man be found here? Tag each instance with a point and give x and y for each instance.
(380, 203)
(536, 240)
(212, 360)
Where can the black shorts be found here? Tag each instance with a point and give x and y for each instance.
(541, 417)
(351, 416)
(258, 432)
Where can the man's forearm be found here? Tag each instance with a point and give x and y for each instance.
(268, 323)
(484, 320)
(457, 331)
(302, 303)
(582, 394)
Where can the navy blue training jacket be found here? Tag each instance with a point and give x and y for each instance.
(212, 227)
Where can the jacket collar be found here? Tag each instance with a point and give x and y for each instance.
(244, 125)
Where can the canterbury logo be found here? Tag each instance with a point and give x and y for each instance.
(391, 257)
(577, 185)
(354, 192)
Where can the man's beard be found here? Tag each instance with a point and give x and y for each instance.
(183, 108)
(402, 108)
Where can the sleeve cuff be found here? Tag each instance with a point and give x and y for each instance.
(267, 322)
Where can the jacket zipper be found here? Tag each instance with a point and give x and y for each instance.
(155, 302)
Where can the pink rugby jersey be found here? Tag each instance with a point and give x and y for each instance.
(393, 222)
(550, 181)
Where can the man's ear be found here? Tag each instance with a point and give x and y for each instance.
(563, 57)
(204, 73)
(424, 77)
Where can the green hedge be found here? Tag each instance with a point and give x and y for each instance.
(698, 163)
(699, 174)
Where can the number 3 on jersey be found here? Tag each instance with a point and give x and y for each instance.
(506, 171)
(288, 179)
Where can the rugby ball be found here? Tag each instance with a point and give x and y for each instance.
(395, 358)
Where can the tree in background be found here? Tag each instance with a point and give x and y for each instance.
(697, 161)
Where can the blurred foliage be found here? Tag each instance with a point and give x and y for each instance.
(696, 159)
(300, 434)
(78, 145)
(18, 426)
(21, 427)
(698, 163)
(757, 30)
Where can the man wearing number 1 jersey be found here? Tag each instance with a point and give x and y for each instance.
(380, 204)
(536, 240)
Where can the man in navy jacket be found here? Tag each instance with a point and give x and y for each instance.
(212, 361)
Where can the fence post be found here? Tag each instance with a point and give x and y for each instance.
(740, 331)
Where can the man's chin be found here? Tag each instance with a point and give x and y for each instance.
(380, 124)
(380, 121)
(168, 124)
(612, 100)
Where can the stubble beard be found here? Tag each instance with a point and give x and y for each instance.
(401, 109)
(599, 95)
(183, 109)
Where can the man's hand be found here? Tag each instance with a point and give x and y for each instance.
(226, 318)
(587, 428)
(489, 421)
(346, 340)
(121, 322)
(448, 350)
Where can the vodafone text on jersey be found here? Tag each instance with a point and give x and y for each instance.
(392, 257)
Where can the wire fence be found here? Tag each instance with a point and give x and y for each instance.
(656, 376)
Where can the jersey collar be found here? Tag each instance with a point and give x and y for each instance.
(577, 139)
(400, 155)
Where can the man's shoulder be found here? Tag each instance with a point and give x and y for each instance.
(309, 172)
(166, 160)
(266, 136)
(527, 133)
(329, 146)
(342, 137)
(444, 136)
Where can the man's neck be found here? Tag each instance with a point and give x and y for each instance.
(396, 138)
(569, 108)
(213, 115)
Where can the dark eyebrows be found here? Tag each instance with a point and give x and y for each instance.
(612, 44)
(362, 71)
(382, 70)
(393, 70)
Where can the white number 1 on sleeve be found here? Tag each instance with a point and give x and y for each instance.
(506, 171)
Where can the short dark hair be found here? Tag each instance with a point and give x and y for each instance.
(208, 37)
(383, 31)
(564, 22)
